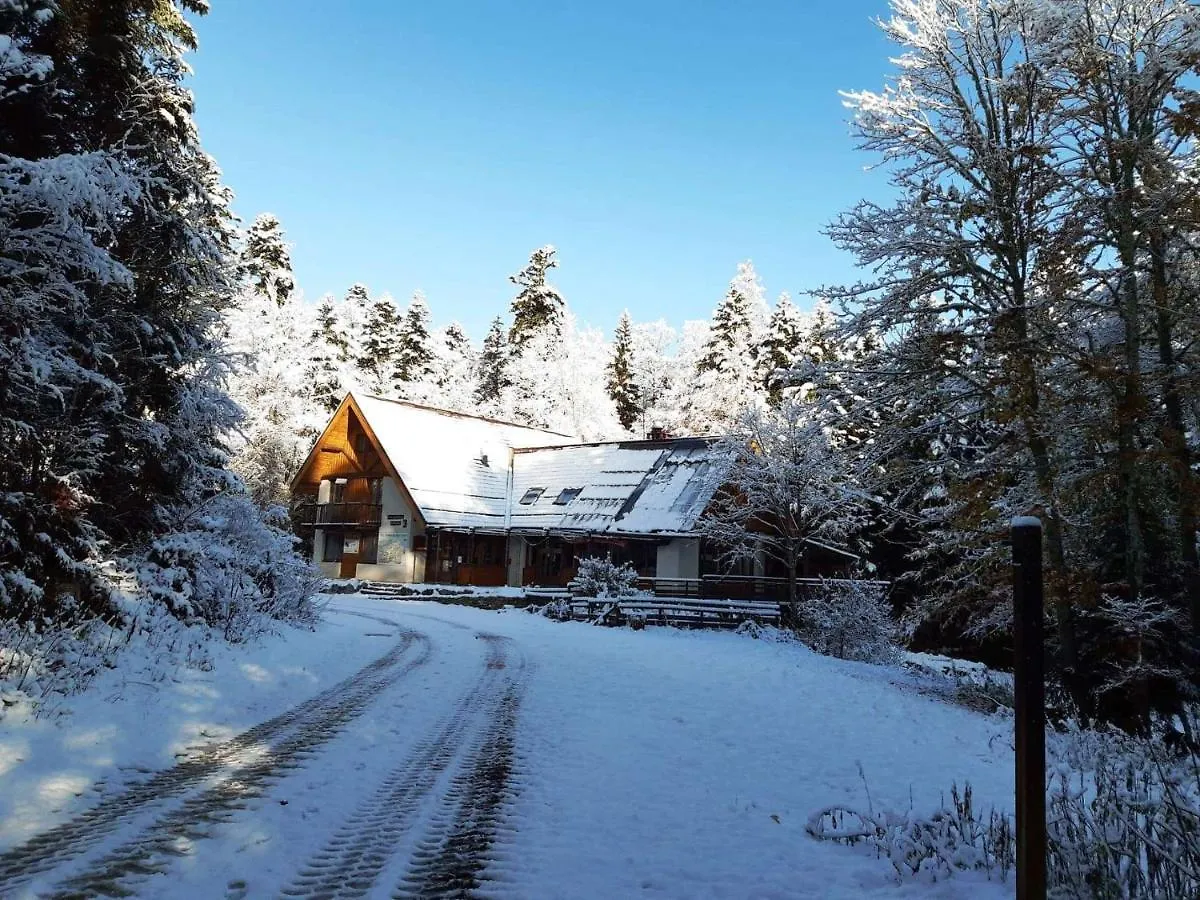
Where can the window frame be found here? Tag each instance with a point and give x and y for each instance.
(532, 496)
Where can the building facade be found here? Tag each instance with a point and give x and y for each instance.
(393, 491)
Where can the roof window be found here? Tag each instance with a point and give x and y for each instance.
(567, 495)
(532, 495)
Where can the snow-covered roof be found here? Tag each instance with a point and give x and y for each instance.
(455, 466)
(633, 487)
(471, 472)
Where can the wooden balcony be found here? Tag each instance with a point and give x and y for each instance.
(356, 514)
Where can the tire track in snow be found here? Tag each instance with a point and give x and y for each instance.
(458, 846)
(371, 840)
(309, 724)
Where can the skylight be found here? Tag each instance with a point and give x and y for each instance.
(567, 496)
(532, 495)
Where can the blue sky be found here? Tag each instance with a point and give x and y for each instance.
(433, 145)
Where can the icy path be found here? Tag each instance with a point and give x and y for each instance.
(498, 754)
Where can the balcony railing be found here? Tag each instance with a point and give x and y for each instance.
(348, 514)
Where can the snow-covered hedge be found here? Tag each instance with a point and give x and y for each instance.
(849, 620)
(605, 579)
(231, 567)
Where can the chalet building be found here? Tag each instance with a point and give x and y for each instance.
(394, 491)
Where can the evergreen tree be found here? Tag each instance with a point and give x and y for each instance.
(780, 347)
(725, 382)
(412, 372)
(728, 347)
(381, 341)
(492, 380)
(455, 363)
(538, 308)
(266, 260)
(622, 389)
(325, 384)
(352, 317)
(117, 266)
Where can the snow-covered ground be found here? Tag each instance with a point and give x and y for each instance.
(536, 758)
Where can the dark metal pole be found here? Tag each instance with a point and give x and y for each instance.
(1029, 689)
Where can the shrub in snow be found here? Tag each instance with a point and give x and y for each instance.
(555, 609)
(1123, 817)
(605, 579)
(231, 567)
(849, 620)
(955, 837)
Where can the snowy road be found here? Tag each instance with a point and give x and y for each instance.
(498, 754)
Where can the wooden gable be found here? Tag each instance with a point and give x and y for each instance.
(347, 448)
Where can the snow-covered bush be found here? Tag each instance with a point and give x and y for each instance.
(955, 837)
(849, 620)
(605, 579)
(1123, 818)
(231, 567)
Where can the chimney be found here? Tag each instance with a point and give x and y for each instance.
(658, 433)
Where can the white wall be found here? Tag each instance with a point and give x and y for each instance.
(396, 561)
(679, 558)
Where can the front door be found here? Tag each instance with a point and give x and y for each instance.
(349, 565)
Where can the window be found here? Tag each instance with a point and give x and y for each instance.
(332, 552)
(532, 495)
(337, 491)
(375, 490)
(567, 495)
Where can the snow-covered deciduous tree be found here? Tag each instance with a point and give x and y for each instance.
(785, 487)
(849, 619)
(622, 386)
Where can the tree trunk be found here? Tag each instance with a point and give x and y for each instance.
(1029, 394)
(1176, 432)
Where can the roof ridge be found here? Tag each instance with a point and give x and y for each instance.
(441, 410)
(646, 443)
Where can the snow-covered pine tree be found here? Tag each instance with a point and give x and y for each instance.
(266, 260)
(380, 346)
(412, 369)
(117, 268)
(725, 381)
(492, 380)
(538, 308)
(779, 350)
(454, 368)
(325, 385)
(267, 329)
(622, 387)
(657, 371)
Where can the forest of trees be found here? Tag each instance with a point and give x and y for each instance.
(1023, 339)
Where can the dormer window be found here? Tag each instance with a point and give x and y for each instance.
(532, 495)
(567, 495)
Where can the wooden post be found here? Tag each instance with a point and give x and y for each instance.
(1029, 690)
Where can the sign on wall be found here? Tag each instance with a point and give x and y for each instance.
(350, 545)
(398, 520)
(392, 549)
